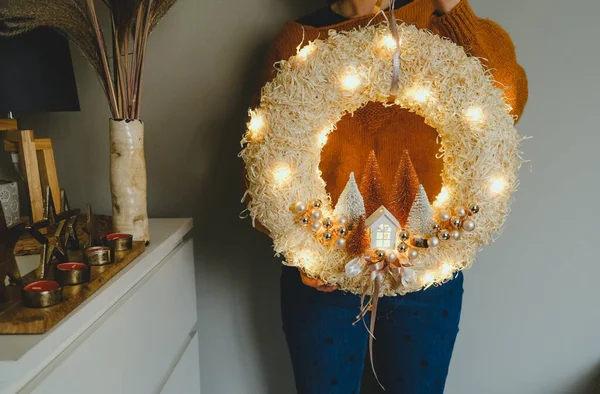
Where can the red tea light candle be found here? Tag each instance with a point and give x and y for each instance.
(119, 241)
(73, 273)
(42, 294)
(98, 255)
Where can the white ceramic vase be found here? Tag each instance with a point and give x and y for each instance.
(128, 178)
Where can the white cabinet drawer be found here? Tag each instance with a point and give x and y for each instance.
(133, 347)
(185, 378)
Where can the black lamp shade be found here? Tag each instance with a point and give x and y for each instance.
(36, 73)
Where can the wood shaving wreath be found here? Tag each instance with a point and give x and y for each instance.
(329, 78)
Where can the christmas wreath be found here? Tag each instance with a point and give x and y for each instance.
(360, 244)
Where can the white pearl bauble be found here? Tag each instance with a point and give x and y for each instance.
(299, 208)
(315, 214)
(315, 226)
(433, 242)
(468, 225)
(391, 257)
(340, 243)
(461, 211)
(342, 221)
(412, 254)
(445, 216)
(455, 234)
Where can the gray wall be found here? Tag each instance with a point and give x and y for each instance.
(531, 322)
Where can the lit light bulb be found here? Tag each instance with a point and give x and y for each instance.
(282, 173)
(474, 115)
(420, 95)
(323, 137)
(304, 254)
(427, 278)
(350, 81)
(446, 269)
(257, 122)
(306, 258)
(497, 185)
(305, 51)
(443, 196)
(389, 42)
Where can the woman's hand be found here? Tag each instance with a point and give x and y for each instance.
(316, 283)
(445, 6)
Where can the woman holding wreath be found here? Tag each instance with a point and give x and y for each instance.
(416, 332)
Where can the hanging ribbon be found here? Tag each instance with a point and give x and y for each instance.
(377, 272)
(396, 56)
(377, 269)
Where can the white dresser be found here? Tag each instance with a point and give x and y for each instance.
(137, 334)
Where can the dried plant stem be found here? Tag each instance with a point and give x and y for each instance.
(111, 92)
(143, 45)
(116, 56)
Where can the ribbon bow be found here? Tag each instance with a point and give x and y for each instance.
(377, 272)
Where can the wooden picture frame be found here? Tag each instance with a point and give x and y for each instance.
(37, 165)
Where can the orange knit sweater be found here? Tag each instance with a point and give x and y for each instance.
(390, 131)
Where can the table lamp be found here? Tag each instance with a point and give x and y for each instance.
(36, 75)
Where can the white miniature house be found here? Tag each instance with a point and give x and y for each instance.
(383, 228)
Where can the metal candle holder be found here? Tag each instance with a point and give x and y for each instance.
(119, 242)
(42, 294)
(99, 255)
(69, 274)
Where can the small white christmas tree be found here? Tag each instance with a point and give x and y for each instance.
(350, 203)
(420, 219)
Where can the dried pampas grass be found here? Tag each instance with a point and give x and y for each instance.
(332, 77)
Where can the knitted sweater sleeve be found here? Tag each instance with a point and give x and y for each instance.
(486, 40)
(282, 47)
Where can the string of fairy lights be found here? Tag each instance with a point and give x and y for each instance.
(418, 94)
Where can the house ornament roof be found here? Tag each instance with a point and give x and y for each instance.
(382, 211)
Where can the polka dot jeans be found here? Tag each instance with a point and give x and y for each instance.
(415, 338)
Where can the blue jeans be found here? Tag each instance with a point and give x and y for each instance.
(415, 338)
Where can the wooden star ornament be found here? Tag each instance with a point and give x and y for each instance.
(70, 215)
(90, 228)
(54, 238)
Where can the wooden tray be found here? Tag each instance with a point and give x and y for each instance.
(16, 319)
